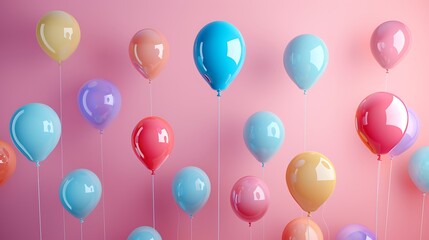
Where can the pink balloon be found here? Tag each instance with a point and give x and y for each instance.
(410, 135)
(250, 198)
(389, 43)
(302, 228)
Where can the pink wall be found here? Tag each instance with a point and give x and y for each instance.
(185, 100)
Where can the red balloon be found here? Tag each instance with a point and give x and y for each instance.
(250, 198)
(381, 122)
(152, 141)
(7, 162)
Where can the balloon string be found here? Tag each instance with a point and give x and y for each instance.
(81, 230)
(153, 200)
(325, 223)
(102, 183)
(423, 212)
(305, 120)
(386, 78)
(191, 227)
(250, 231)
(263, 219)
(308, 228)
(178, 222)
(61, 143)
(150, 97)
(388, 198)
(38, 200)
(218, 167)
(376, 201)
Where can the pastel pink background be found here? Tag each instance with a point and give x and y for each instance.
(182, 97)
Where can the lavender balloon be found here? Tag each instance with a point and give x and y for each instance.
(99, 102)
(355, 232)
(410, 135)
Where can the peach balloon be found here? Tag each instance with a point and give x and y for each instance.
(149, 51)
(302, 228)
(7, 162)
(311, 179)
(58, 34)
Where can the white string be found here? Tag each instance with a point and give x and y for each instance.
(153, 200)
(218, 167)
(102, 183)
(325, 223)
(38, 200)
(377, 196)
(308, 228)
(263, 219)
(178, 223)
(81, 230)
(388, 198)
(386, 78)
(61, 144)
(423, 213)
(305, 120)
(191, 227)
(150, 97)
(250, 231)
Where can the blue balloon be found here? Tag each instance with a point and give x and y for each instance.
(144, 233)
(263, 134)
(191, 189)
(35, 129)
(219, 52)
(418, 168)
(80, 192)
(305, 59)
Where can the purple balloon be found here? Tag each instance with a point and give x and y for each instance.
(99, 102)
(355, 232)
(410, 135)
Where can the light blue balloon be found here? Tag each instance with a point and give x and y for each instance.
(35, 129)
(191, 189)
(144, 233)
(305, 59)
(418, 168)
(263, 134)
(80, 192)
(219, 52)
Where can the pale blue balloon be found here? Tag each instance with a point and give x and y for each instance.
(219, 53)
(418, 168)
(305, 59)
(264, 135)
(144, 233)
(35, 129)
(191, 189)
(80, 192)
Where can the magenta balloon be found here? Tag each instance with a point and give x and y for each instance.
(355, 232)
(410, 135)
(389, 43)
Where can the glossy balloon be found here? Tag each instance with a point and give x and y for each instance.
(263, 134)
(80, 192)
(7, 162)
(250, 198)
(389, 43)
(302, 228)
(58, 34)
(311, 179)
(355, 232)
(144, 233)
(381, 121)
(410, 135)
(149, 52)
(191, 189)
(152, 140)
(418, 168)
(99, 102)
(219, 52)
(305, 59)
(35, 129)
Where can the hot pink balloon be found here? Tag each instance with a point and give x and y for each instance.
(410, 135)
(250, 198)
(389, 43)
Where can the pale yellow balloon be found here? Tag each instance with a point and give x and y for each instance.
(311, 179)
(58, 34)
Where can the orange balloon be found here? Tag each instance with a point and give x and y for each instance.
(302, 228)
(7, 162)
(311, 179)
(149, 51)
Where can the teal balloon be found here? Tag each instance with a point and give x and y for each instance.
(191, 189)
(219, 53)
(80, 192)
(144, 233)
(418, 168)
(35, 129)
(305, 59)
(264, 135)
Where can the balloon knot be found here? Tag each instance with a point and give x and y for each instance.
(218, 93)
(309, 214)
(379, 157)
(37, 164)
(387, 71)
(305, 92)
(263, 165)
(81, 220)
(101, 131)
(250, 224)
(153, 172)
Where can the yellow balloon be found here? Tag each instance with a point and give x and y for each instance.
(311, 179)
(58, 34)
